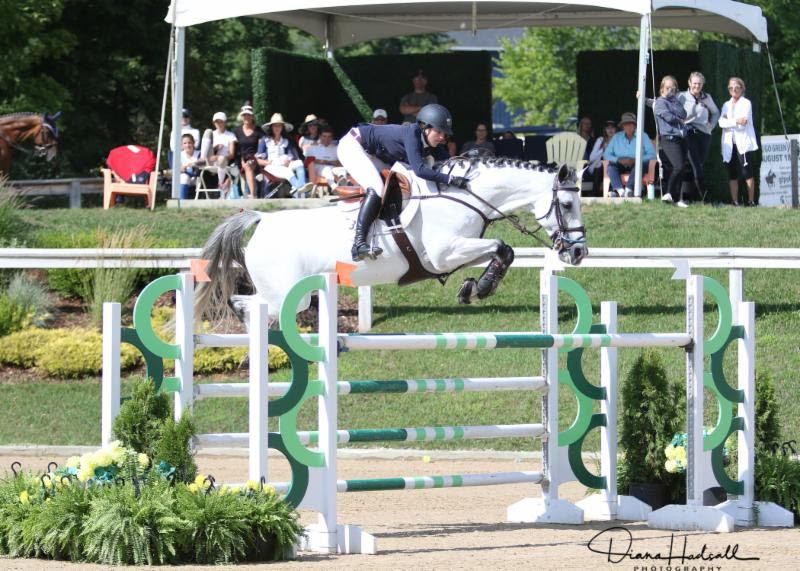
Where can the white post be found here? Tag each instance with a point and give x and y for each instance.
(747, 409)
(698, 461)
(184, 337)
(644, 37)
(736, 287)
(608, 406)
(177, 107)
(328, 410)
(259, 370)
(112, 333)
(364, 309)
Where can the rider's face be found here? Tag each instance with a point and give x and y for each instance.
(435, 137)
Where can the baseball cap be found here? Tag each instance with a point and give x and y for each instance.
(185, 112)
(219, 116)
(380, 113)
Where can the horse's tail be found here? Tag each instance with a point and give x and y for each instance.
(222, 249)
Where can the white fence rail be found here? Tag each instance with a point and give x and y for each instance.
(178, 258)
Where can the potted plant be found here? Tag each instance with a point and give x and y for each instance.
(651, 412)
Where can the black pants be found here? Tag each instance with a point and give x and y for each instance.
(740, 166)
(674, 149)
(698, 144)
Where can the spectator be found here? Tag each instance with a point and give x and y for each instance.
(671, 122)
(279, 157)
(509, 135)
(585, 129)
(190, 160)
(218, 150)
(326, 160)
(481, 142)
(701, 118)
(309, 132)
(621, 155)
(412, 102)
(247, 137)
(380, 117)
(186, 127)
(595, 166)
(738, 140)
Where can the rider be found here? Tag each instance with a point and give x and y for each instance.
(366, 149)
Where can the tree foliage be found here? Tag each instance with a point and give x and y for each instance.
(538, 73)
(783, 26)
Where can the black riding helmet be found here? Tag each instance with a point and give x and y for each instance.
(436, 116)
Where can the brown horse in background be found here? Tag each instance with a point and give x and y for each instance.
(18, 127)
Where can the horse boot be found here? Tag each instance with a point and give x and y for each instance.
(366, 216)
(495, 271)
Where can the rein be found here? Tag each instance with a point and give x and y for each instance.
(37, 149)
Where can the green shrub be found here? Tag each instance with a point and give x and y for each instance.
(768, 428)
(30, 293)
(13, 229)
(13, 316)
(67, 282)
(275, 527)
(777, 479)
(66, 353)
(650, 414)
(172, 447)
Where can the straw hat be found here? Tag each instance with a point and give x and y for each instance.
(277, 118)
(627, 117)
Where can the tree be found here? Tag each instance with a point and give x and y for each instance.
(539, 70)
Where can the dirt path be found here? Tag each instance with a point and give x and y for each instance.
(464, 528)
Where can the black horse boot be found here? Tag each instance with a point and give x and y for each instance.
(366, 216)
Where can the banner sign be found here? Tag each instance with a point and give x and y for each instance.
(775, 188)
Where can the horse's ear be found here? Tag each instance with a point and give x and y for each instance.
(53, 117)
(563, 174)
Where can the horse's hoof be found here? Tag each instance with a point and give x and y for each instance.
(467, 292)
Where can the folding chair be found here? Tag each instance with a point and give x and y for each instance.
(112, 189)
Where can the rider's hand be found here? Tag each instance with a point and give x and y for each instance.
(459, 181)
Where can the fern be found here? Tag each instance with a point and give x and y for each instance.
(275, 526)
(218, 526)
(123, 529)
(60, 522)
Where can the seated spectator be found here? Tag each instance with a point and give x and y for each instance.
(380, 117)
(186, 127)
(481, 141)
(621, 155)
(218, 149)
(247, 137)
(278, 156)
(326, 161)
(595, 166)
(309, 132)
(509, 135)
(190, 161)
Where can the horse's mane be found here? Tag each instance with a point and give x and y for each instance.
(495, 162)
(19, 115)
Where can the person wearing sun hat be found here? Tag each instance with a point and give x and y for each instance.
(309, 132)
(248, 134)
(278, 155)
(621, 155)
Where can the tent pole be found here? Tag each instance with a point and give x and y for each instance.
(177, 105)
(644, 32)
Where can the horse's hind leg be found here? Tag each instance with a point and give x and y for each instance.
(490, 278)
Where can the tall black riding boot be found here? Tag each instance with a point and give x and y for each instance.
(366, 216)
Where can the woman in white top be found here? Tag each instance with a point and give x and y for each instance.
(738, 140)
(595, 168)
(219, 148)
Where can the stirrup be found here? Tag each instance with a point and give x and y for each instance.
(359, 252)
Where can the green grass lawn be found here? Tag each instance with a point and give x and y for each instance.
(69, 412)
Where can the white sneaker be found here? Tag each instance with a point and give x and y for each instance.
(667, 197)
(613, 193)
(681, 204)
(628, 193)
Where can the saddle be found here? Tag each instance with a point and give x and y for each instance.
(396, 195)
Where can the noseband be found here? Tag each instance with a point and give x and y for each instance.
(559, 236)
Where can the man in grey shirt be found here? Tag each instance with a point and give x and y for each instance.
(701, 118)
(412, 102)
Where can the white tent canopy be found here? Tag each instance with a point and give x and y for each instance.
(343, 22)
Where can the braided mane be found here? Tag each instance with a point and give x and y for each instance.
(18, 114)
(495, 162)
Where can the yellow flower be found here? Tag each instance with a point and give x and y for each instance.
(671, 466)
(73, 461)
(144, 461)
(118, 456)
(252, 485)
(235, 489)
(85, 473)
(115, 444)
(24, 497)
(201, 481)
(194, 488)
(88, 461)
(669, 451)
(269, 490)
(48, 482)
(103, 458)
(224, 489)
(680, 453)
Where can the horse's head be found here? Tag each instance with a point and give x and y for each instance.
(46, 140)
(559, 213)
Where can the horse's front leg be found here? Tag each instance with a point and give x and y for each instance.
(491, 277)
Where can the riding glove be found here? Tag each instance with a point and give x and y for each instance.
(459, 181)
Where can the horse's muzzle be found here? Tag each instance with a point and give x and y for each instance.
(574, 254)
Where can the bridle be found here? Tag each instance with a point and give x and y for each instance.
(39, 150)
(558, 237)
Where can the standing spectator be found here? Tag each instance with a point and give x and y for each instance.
(186, 127)
(738, 140)
(309, 132)
(595, 166)
(219, 148)
(380, 117)
(481, 141)
(670, 120)
(190, 160)
(278, 156)
(621, 155)
(412, 102)
(701, 118)
(247, 137)
(326, 160)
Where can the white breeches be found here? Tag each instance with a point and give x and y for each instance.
(363, 167)
(329, 173)
(284, 172)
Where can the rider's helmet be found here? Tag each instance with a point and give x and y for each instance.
(436, 116)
